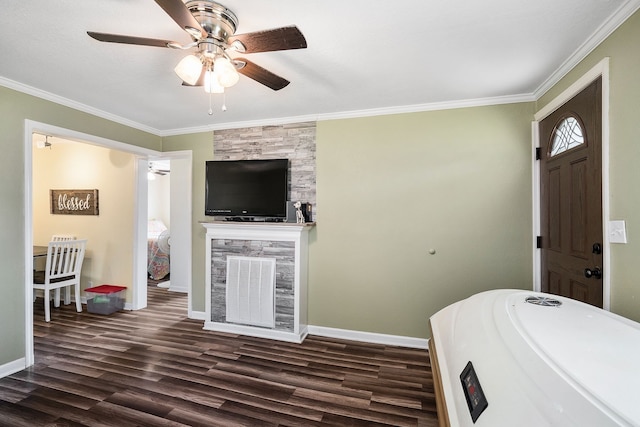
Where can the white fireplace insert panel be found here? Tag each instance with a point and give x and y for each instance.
(523, 358)
(250, 293)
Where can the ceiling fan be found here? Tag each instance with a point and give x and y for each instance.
(158, 170)
(212, 28)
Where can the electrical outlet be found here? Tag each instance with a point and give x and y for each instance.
(89, 284)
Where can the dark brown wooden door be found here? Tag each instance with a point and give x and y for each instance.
(571, 198)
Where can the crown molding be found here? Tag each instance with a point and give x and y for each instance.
(48, 96)
(623, 13)
(433, 106)
(274, 121)
(385, 111)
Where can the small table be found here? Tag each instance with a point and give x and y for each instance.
(40, 251)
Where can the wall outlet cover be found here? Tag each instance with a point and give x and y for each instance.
(617, 232)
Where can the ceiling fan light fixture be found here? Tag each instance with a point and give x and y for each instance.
(189, 69)
(212, 82)
(212, 28)
(226, 72)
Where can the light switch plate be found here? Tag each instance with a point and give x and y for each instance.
(617, 232)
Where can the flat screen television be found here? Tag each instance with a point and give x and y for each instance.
(247, 189)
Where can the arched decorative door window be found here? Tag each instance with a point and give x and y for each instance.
(567, 135)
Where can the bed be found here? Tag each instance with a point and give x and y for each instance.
(158, 265)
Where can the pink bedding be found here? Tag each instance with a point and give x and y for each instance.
(157, 259)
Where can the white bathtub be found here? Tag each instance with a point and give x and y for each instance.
(566, 365)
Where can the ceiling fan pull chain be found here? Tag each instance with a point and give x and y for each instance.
(210, 105)
(224, 101)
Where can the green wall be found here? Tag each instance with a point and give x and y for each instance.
(624, 150)
(392, 188)
(15, 107)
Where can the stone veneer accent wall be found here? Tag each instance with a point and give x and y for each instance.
(296, 142)
(283, 252)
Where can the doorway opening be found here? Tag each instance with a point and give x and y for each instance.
(137, 240)
(169, 216)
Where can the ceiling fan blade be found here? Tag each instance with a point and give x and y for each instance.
(177, 10)
(260, 74)
(283, 38)
(117, 38)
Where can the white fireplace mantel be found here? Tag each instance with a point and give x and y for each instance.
(288, 242)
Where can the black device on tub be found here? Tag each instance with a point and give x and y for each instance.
(247, 190)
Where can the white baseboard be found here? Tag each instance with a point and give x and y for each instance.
(369, 337)
(13, 367)
(345, 334)
(197, 315)
(252, 331)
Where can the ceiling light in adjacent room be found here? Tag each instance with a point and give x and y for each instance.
(45, 143)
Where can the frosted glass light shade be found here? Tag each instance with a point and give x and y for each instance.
(227, 74)
(189, 69)
(211, 83)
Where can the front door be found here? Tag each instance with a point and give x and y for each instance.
(571, 198)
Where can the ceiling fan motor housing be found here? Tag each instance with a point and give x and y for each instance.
(219, 22)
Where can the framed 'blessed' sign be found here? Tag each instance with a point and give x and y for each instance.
(74, 202)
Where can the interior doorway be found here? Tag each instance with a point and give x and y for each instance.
(175, 210)
(159, 223)
(182, 221)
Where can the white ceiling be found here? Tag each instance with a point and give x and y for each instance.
(364, 57)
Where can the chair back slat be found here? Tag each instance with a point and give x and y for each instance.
(64, 258)
(62, 237)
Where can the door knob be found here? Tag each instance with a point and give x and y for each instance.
(596, 249)
(596, 272)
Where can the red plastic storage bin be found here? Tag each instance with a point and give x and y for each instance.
(105, 299)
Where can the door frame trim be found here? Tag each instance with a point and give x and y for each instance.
(601, 69)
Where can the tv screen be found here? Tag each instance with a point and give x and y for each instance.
(247, 189)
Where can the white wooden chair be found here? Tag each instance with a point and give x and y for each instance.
(38, 263)
(63, 268)
(62, 237)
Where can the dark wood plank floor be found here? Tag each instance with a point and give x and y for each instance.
(155, 367)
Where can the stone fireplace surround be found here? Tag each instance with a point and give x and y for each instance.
(288, 245)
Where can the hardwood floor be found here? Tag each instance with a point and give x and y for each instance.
(155, 367)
